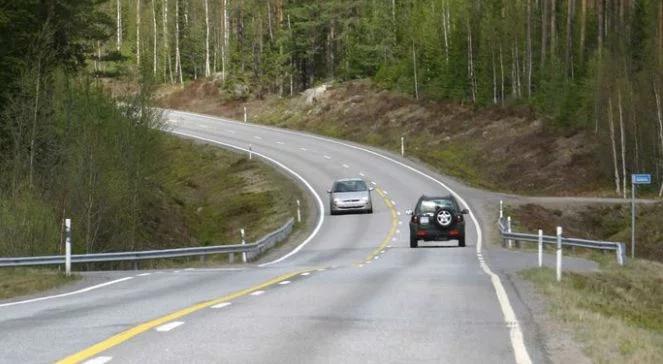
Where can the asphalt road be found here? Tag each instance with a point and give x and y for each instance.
(353, 292)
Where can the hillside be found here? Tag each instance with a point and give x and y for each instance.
(496, 148)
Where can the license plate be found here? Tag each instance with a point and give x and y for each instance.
(425, 219)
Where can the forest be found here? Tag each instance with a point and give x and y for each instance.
(68, 149)
(593, 65)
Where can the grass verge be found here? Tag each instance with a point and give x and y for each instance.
(616, 314)
(24, 281)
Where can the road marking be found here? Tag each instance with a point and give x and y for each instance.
(345, 165)
(137, 330)
(373, 183)
(303, 149)
(169, 326)
(257, 137)
(280, 143)
(222, 305)
(517, 342)
(398, 231)
(257, 293)
(189, 269)
(400, 222)
(88, 289)
(360, 266)
(305, 274)
(143, 275)
(172, 121)
(177, 271)
(99, 360)
(322, 270)
(230, 131)
(321, 206)
(284, 283)
(398, 213)
(362, 174)
(392, 229)
(385, 192)
(327, 157)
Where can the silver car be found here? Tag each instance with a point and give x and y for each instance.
(350, 195)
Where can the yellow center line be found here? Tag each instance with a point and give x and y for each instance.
(392, 230)
(128, 334)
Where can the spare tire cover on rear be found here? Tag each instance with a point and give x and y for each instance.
(444, 217)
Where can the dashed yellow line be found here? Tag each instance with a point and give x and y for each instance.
(137, 330)
(392, 230)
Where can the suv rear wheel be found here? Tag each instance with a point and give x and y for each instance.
(414, 243)
(461, 241)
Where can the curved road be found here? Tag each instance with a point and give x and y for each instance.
(352, 292)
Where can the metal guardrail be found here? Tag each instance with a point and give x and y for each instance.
(252, 251)
(618, 248)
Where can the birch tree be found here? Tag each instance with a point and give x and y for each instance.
(207, 63)
(119, 25)
(138, 32)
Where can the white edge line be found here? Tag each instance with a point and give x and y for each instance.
(169, 326)
(321, 207)
(222, 305)
(87, 289)
(516, 335)
(256, 293)
(99, 360)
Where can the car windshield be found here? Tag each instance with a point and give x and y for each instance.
(428, 206)
(350, 186)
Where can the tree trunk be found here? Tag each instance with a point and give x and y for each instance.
(226, 41)
(623, 141)
(414, 66)
(568, 59)
(154, 40)
(178, 59)
(583, 26)
(553, 27)
(207, 67)
(470, 63)
(600, 27)
(119, 25)
(269, 22)
(529, 48)
(445, 31)
(659, 114)
(33, 133)
(544, 31)
(613, 140)
(502, 75)
(166, 45)
(492, 60)
(138, 32)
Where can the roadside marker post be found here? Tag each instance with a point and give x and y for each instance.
(299, 212)
(241, 231)
(636, 179)
(402, 146)
(67, 254)
(559, 253)
(540, 248)
(245, 118)
(501, 209)
(508, 227)
(250, 152)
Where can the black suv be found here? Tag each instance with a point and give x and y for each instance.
(437, 218)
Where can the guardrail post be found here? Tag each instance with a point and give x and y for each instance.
(245, 118)
(250, 152)
(231, 258)
(501, 209)
(621, 253)
(540, 248)
(508, 229)
(559, 253)
(67, 247)
(241, 231)
(299, 211)
(402, 146)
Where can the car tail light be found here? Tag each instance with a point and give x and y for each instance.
(454, 232)
(421, 233)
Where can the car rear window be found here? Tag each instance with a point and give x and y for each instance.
(350, 186)
(429, 206)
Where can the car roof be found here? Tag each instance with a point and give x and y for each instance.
(427, 197)
(353, 179)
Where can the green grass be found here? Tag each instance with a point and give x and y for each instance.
(616, 314)
(23, 281)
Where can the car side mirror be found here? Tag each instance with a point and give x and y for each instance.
(409, 212)
(465, 211)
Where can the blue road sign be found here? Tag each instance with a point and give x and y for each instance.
(641, 179)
